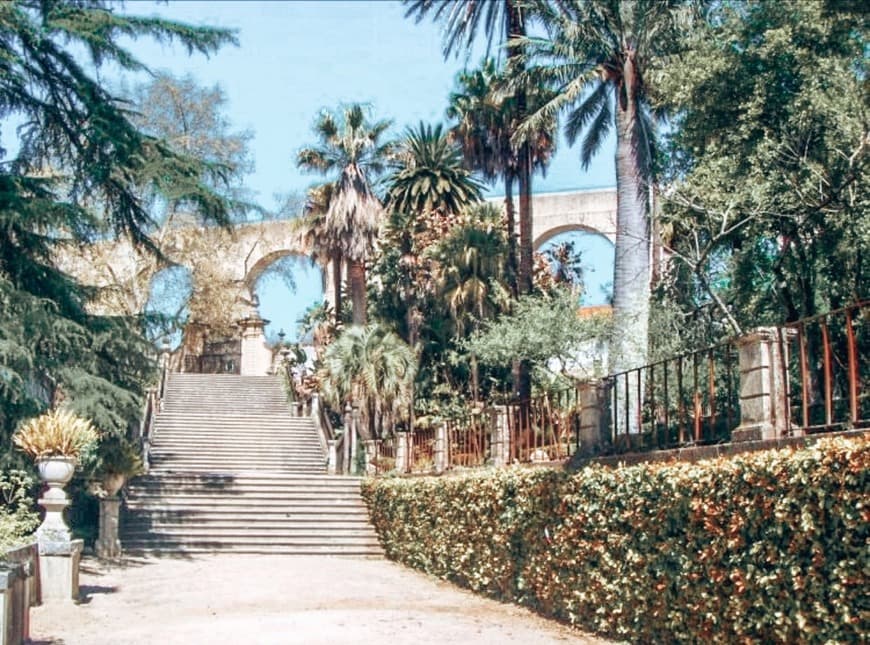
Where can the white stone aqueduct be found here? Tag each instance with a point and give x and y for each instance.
(241, 255)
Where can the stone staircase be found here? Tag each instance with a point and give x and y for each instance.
(232, 471)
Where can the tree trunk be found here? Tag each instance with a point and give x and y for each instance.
(336, 285)
(357, 277)
(526, 249)
(631, 274)
(510, 215)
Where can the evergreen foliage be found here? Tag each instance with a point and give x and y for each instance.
(75, 177)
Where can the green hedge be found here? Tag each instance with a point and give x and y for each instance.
(771, 546)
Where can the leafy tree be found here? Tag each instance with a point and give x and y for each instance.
(544, 330)
(371, 367)
(191, 120)
(349, 144)
(597, 55)
(767, 211)
(77, 172)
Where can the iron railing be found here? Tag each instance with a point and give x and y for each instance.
(544, 428)
(690, 399)
(827, 368)
(468, 440)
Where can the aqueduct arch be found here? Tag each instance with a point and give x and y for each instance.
(239, 256)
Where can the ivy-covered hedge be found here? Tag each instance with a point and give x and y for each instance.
(771, 546)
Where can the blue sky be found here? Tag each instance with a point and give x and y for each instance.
(296, 58)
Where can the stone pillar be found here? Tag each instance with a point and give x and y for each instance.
(347, 438)
(332, 457)
(441, 453)
(370, 447)
(591, 395)
(403, 457)
(108, 546)
(354, 440)
(501, 437)
(764, 405)
(256, 355)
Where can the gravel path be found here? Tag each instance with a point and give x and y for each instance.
(267, 599)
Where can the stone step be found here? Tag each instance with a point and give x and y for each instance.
(161, 547)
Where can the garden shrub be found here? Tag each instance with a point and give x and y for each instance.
(771, 546)
(18, 518)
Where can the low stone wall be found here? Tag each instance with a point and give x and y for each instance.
(19, 591)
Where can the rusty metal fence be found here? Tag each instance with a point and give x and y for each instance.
(686, 400)
(828, 368)
(690, 399)
(469, 440)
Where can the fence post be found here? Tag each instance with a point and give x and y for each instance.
(500, 442)
(403, 458)
(370, 447)
(764, 404)
(592, 398)
(441, 451)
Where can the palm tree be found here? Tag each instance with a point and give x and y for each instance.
(429, 176)
(470, 273)
(316, 238)
(350, 145)
(502, 21)
(486, 123)
(597, 55)
(371, 367)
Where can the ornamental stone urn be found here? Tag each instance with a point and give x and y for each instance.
(55, 471)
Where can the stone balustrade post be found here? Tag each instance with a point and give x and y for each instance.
(108, 545)
(354, 440)
(441, 453)
(764, 404)
(591, 395)
(347, 437)
(256, 354)
(331, 457)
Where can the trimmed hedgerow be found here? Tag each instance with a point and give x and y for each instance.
(771, 546)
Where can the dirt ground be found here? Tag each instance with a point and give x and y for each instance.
(287, 599)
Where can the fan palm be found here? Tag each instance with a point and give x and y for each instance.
(429, 175)
(597, 55)
(471, 268)
(316, 237)
(350, 145)
(373, 368)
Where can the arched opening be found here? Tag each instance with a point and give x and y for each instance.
(590, 255)
(286, 286)
(167, 310)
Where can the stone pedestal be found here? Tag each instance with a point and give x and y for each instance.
(108, 546)
(764, 405)
(501, 437)
(440, 453)
(256, 354)
(591, 396)
(59, 570)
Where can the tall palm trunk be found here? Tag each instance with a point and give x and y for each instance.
(356, 271)
(510, 216)
(336, 284)
(631, 275)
